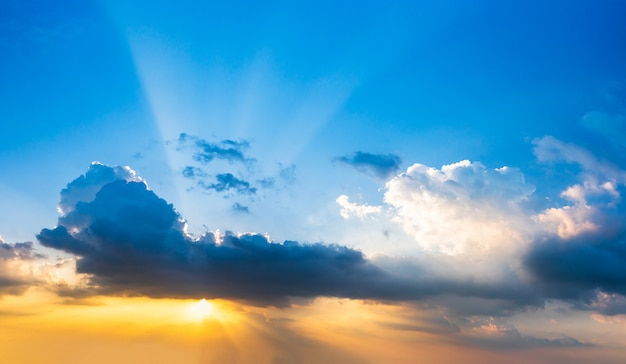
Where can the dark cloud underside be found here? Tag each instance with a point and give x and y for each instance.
(577, 268)
(132, 242)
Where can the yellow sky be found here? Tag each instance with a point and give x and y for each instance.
(39, 327)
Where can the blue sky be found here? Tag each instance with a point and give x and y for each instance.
(448, 133)
(308, 82)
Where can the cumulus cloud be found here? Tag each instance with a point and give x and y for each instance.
(377, 165)
(582, 258)
(461, 208)
(468, 216)
(85, 187)
(128, 241)
(132, 242)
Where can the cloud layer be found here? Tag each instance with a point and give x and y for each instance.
(464, 216)
(132, 242)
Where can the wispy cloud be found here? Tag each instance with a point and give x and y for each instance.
(238, 173)
(237, 207)
(377, 165)
(206, 152)
(227, 182)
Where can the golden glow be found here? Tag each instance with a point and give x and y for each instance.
(200, 310)
(327, 330)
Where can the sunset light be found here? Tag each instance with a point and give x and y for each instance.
(200, 310)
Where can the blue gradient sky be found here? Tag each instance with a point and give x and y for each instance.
(433, 82)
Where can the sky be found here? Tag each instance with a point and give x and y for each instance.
(279, 182)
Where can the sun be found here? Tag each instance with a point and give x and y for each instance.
(200, 310)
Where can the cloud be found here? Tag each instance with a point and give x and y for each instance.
(85, 187)
(206, 152)
(582, 256)
(128, 241)
(131, 242)
(493, 336)
(193, 172)
(227, 182)
(548, 149)
(287, 173)
(16, 267)
(228, 158)
(597, 192)
(462, 208)
(584, 268)
(350, 209)
(377, 165)
(237, 207)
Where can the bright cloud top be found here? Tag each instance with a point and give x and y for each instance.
(463, 208)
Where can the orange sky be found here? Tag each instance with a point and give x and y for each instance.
(42, 328)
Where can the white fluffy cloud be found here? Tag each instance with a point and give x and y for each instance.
(461, 208)
(351, 209)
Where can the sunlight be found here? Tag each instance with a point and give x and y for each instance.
(200, 310)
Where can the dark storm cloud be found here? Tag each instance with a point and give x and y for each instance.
(228, 150)
(227, 182)
(378, 165)
(133, 242)
(579, 268)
